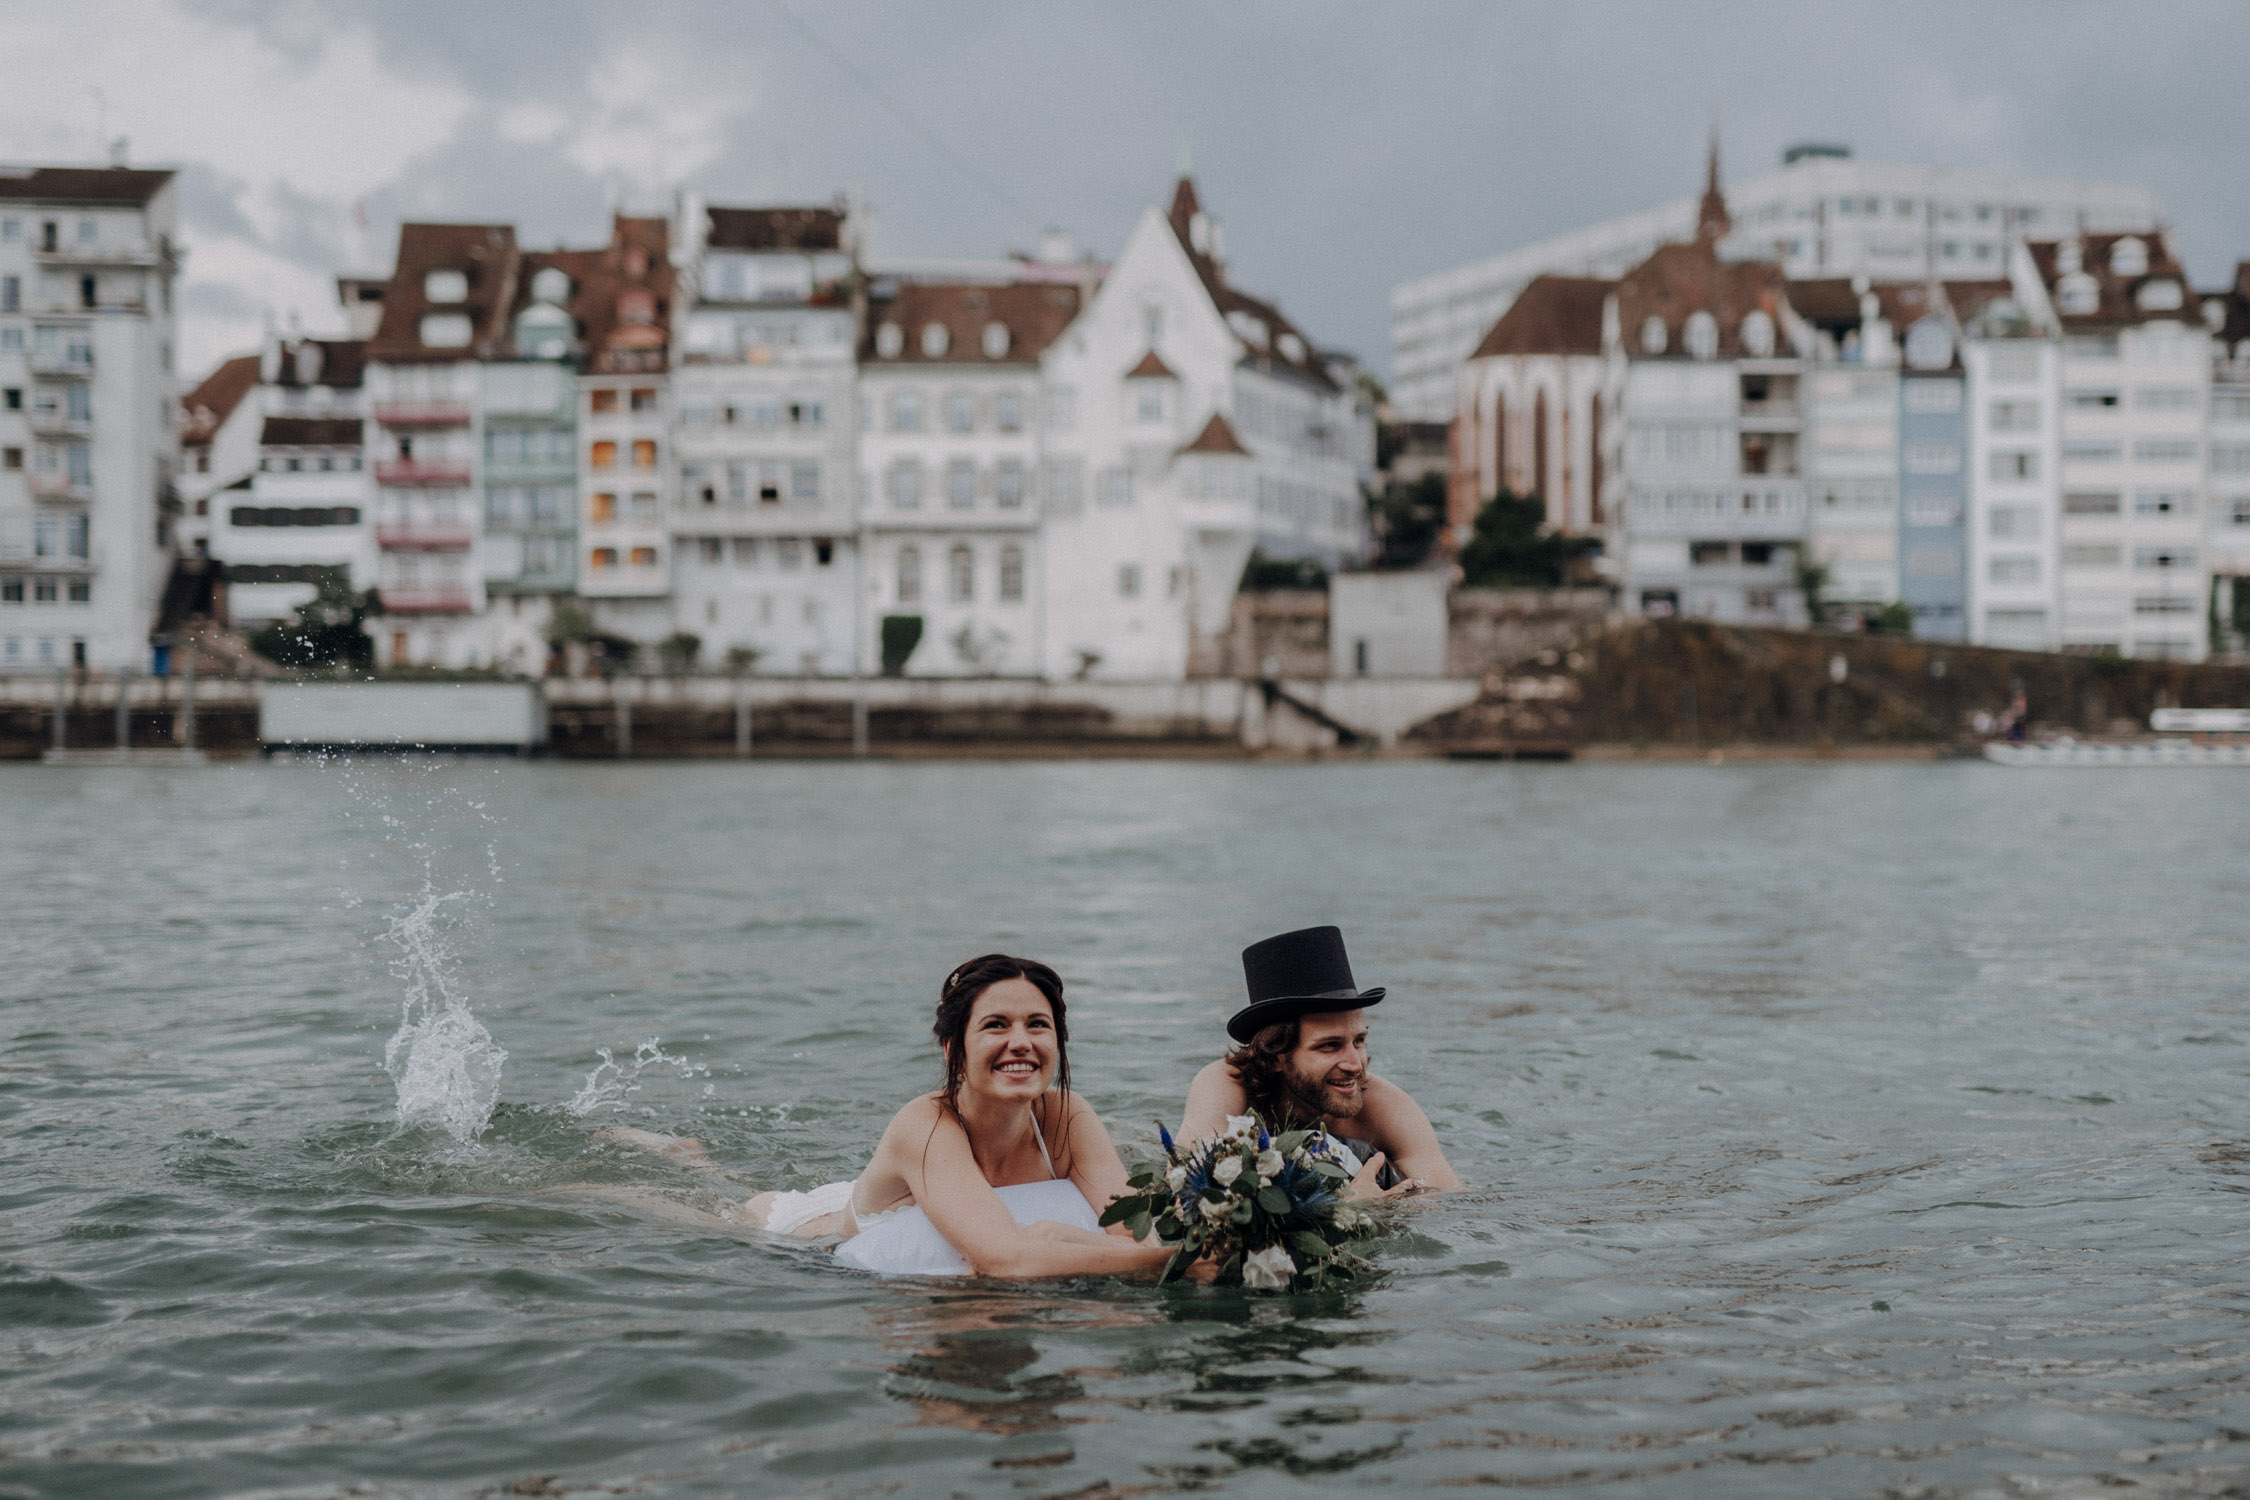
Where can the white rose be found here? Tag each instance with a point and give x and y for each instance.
(1177, 1178)
(1269, 1165)
(1269, 1270)
(1245, 1126)
(1227, 1171)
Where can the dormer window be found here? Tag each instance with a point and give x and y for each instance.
(1654, 336)
(890, 339)
(2161, 295)
(2070, 258)
(1701, 335)
(1758, 334)
(936, 339)
(445, 330)
(550, 284)
(1247, 328)
(1292, 348)
(445, 287)
(995, 340)
(2078, 294)
(2129, 257)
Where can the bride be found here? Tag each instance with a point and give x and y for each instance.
(995, 1173)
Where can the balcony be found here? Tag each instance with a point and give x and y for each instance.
(422, 413)
(447, 599)
(423, 536)
(61, 487)
(68, 364)
(421, 471)
(59, 424)
(144, 256)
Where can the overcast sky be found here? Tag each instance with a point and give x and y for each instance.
(1345, 146)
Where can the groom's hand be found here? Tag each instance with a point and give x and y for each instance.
(1363, 1187)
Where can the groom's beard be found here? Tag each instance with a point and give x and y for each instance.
(1317, 1100)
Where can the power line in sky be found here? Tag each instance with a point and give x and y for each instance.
(904, 116)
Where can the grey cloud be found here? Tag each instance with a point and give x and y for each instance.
(1346, 147)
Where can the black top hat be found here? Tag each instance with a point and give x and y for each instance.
(1297, 974)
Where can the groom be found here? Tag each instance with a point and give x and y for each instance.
(1301, 1059)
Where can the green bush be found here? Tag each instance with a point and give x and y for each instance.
(1511, 546)
(901, 634)
(329, 630)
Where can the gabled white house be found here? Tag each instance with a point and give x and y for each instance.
(1186, 424)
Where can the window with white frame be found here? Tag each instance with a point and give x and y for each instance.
(961, 411)
(909, 575)
(1007, 485)
(1011, 574)
(1128, 580)
(961, 484)
(961, 574)
(906, 411)
(1113, 488)
(2014, 464)
(905, 484)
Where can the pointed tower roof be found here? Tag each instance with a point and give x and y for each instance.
(1712, 222)
(1185, 206)
(1217, 436)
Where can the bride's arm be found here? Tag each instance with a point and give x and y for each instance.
(951, 1189)
(1095, 1167)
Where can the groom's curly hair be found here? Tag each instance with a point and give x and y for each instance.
(1261, 1066)
(958, 996)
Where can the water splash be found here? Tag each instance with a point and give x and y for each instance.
(608, 1086)
(446, 1065)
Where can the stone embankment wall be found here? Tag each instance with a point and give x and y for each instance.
(1693, 685)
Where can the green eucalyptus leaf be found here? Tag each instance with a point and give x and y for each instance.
(1274, 1201)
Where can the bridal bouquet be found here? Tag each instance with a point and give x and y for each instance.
(1269, 1208)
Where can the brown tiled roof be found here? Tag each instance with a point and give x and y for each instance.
(1270, 358)
(80, 184)
(342, 363)
(1830, 302)
(2118, 306)
(1151, 367)
(204, 410)
(1969, 298)
(776, 229)
(485, 253)
(1679, 280)
(310, 432)
(1034, 312)
(1217, 436)
(1553, 315)
(620, 296)
(2234, 327)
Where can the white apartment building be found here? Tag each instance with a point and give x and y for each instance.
(2015, 508)
(219, 424)
(306, 517)
(2134, 374)
(87, 402)
(2227, 502)
(950, 457)
(1821, 214)
(766, 562)
(445, 308)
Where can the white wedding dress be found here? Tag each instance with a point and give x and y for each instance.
(903, 1241)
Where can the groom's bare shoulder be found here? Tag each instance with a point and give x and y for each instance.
(1215, 1094)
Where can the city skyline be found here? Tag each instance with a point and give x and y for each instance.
(1470, 136)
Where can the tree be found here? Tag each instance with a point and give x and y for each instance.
(1262, 573)
(1406, 520)
(1511, 546)
(900, 635)
(1812, 579)
(678, 652)
(329, 630)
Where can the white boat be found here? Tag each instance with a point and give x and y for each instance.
(2122, 753)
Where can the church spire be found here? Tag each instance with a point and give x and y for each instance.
(1712, 223)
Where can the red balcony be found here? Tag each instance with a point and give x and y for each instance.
(449, 600)
(422, 413)
(446, 471)
(423, 537)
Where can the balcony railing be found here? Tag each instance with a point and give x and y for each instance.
(422, 413)
(73, 364)
(449, 599)
(421, 471)
(97, 255)
(61, 487)
(58, 424)
(423, 536)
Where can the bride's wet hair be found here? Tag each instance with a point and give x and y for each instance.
(958, 997)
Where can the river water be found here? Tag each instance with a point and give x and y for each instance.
(1835, 1129)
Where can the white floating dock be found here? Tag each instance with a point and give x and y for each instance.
(2135, 753)
(477, 716)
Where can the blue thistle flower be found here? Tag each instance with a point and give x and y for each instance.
(1166, 1137)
